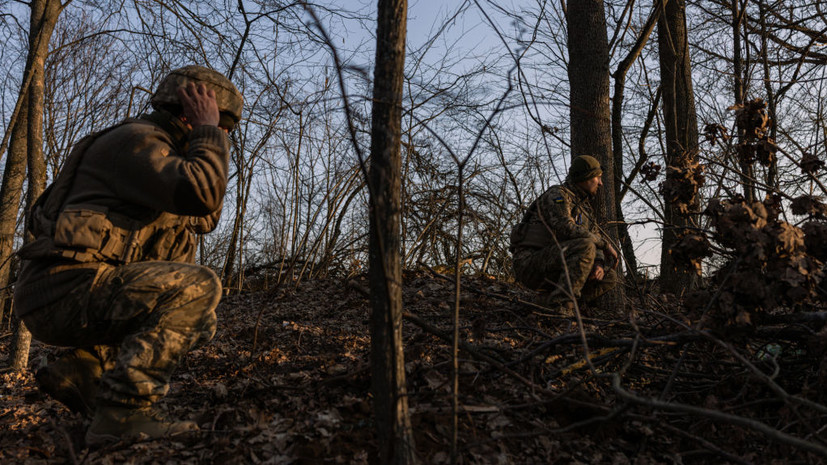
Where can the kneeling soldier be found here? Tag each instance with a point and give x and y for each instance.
(558, 234)
(110, 272)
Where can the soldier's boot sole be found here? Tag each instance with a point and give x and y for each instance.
(113, 424)
(71, 380)
(64, 391)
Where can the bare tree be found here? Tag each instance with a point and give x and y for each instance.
(44, 15)
(681, 135)
(591, 132)
(10, 192)
(396, 444)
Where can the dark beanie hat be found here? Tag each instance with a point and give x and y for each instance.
(584, 168)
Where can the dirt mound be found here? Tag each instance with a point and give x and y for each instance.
(287, 380)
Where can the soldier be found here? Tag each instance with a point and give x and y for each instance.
(558, 233)
(110, 271)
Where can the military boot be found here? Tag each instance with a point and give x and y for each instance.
(556, 302)
(112, 424)
(547, 299)
(72, 380)
(566, 309)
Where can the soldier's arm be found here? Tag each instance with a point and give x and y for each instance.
(555, 209)
(200, 176)
(192, 183)
(205, 224)
(610, 256)
(149, 172)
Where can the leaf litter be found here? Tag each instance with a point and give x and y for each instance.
(286, 380)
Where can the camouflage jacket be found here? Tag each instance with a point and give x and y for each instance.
(130, 193)
(562, 212)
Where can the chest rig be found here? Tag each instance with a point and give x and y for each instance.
(91, 233)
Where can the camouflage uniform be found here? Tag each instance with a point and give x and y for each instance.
(138, 320)
(558, 233)
(110, 270)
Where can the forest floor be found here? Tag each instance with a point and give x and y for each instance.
(286, 380)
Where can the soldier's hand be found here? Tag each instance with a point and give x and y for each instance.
(200, 107)
(597, 272)
(613, 253)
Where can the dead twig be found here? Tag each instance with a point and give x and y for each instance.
(425, 326)
(706, 444)
(766, 430)
(68, 439)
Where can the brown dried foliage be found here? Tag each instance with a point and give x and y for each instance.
(684, 177)
(815, 239)
(753, 123)
(808, 205)
(286, 380)
(650, 171)
(689, 251)
(773, 205)
(771, 264)
(752, 119)
(714, 131)
(811, 164)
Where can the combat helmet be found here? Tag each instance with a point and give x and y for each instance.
(227, 95)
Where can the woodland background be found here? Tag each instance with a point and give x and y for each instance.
(708, 117)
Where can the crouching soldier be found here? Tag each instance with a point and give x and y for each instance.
(110, 272)
(558, 235)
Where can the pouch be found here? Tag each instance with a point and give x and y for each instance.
(81, 228)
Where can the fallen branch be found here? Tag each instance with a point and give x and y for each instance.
(68, 439)
(425, 326)
(712, 447)
(755, 425)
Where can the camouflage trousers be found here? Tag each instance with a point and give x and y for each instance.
(137, 320)
(545, 269)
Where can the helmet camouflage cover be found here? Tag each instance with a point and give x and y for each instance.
(227, 95)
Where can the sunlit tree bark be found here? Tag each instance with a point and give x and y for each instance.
(393, 423)
(13, 176)
(44, 14)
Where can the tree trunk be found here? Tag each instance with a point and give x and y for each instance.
(591, 132)
(739, 93)
(396, 445)
(47, 12)
(42, 23)
(681, 127)
(13, 176)
(772, 171)
(228, 270)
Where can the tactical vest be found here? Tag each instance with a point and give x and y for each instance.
(91, 233)
(535, 232)
(526, 233)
